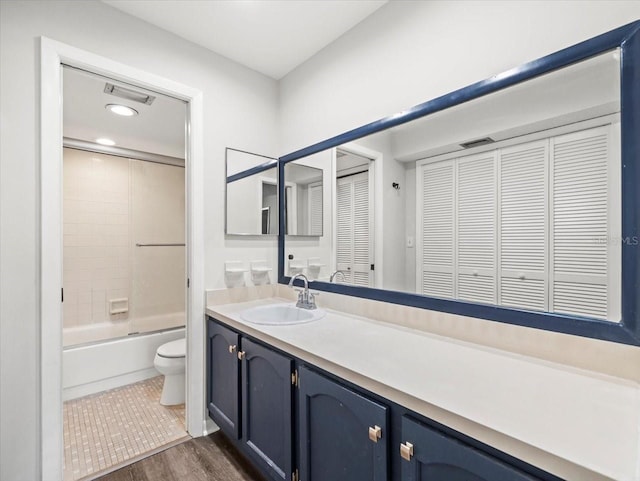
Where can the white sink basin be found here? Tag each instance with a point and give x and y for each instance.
(281, 315)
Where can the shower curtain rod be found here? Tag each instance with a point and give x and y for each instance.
(121, 152)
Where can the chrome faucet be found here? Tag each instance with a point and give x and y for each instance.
(335, 274)
(306, 300)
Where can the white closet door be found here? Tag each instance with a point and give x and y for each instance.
(315, 209)
(354, 244)
(523, 226)
(436, 230)
(362, 275)
(476, 228)
(579, 224)
(344, 214)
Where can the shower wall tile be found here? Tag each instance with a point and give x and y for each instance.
(96, 240)
(70, 313)
(109, 204)
(157, 214)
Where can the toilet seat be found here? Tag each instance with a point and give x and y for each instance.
(173, 349)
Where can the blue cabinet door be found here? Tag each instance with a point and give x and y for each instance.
(334, 437)
(267, 426)
(438, 457)
(223, 377)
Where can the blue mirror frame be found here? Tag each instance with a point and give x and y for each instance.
(627, 38)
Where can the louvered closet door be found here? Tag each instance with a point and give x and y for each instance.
(362, 275)
(523, 226)
(476, 228)
(344, 238)
(315, 209)
(580, 206)
(436, 228)
(354, 245)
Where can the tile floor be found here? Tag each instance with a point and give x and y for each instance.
(106, 429)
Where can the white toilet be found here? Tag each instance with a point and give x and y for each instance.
(170, 361)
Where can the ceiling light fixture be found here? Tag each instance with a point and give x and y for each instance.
(121, 110)
(103, 141)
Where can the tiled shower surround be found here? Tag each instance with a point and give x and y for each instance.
(105, 430)
(96, 235)
(110, 204)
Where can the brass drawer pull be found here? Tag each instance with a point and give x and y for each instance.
(241, 355)
(406, 451)
(232, 348)
(375, 433)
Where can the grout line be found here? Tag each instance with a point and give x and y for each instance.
(109, 430)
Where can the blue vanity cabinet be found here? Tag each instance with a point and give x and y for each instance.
(429, 455)
(223, 377)
(342, 435)
(267, 409)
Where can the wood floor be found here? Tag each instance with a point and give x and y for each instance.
(210, 458)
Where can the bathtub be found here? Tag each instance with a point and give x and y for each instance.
(96, 367)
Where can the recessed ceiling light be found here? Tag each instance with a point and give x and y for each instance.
(121, 110)
(103, 141)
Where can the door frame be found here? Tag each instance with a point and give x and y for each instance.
(52, 55)
(376, 158)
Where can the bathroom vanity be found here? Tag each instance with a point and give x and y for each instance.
(346, 397)
(295, 421)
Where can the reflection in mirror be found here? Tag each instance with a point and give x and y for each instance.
(354, 218)
(252, 193)
(510, 199)
(303, 199)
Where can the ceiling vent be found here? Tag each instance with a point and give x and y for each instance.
(477, 142)
(129, 94)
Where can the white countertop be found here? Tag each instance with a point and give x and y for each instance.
(574, 423)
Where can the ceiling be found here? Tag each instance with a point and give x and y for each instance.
(270, 36)
(159, 128)
(581, 91)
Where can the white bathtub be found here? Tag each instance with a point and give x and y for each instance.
(91, 368)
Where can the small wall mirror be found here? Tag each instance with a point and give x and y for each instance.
(251, 193)
(303, 197)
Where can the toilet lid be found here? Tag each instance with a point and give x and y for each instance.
(173, 349)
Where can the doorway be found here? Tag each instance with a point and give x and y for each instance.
(53, 56)
(355, 208)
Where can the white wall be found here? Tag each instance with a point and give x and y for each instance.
(410, 227)
(245, 200)
(240, 109)
(409, 52)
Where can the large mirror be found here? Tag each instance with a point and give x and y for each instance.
(511, 199)
(251, 194)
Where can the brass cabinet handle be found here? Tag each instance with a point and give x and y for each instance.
(406, 451)
(232, 348)
(375, 433)
(241, 355)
